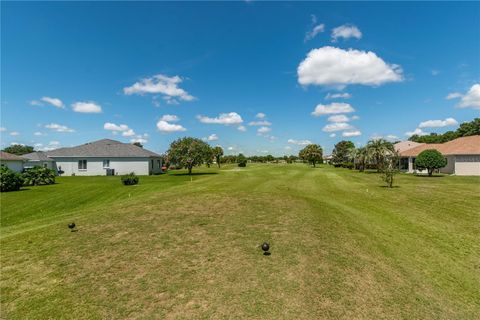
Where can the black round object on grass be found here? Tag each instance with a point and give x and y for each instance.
(265, 246)
(71, 225)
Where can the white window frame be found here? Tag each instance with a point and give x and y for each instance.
(108, 164)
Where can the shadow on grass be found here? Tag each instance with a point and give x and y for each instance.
(428, 177)
(387, 187)
(193, 174)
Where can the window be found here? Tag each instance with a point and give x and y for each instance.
(158, 163)
(45, 165)
(106, 163)
(82, 164)
(152, 164)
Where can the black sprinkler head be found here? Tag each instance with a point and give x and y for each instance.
(265, 246)
(71, 225)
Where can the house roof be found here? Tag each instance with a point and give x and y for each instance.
(460, 146)
(406, 145)
(103, 148)
(8, 156)
(37, 156)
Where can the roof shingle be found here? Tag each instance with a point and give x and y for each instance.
(460, 146)
(9, 156)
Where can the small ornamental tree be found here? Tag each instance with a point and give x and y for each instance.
(390, 168)
(341, 152)
(10, 180)
(430, 159)
(218, 153)
(312, 154)
(242, 160)
(188, 152)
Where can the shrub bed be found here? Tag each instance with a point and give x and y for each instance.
(10, 180)
(130, 179)
(38, 175)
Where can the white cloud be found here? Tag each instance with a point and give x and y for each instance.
(346, 31)
(2, 129)
(337, 126)
(212, 137)
(299, 142)
(58, 127)
(434, 72)
(263, 130)
(338, 67)
(14, 133)
(160, 84)
(230, 148)
(339, 118)
(86, 107)
(391, 137)
(52, 101)
(260, 123)
(139, 140)
(242, 128)
(16, 143)
(260, 115)
(333, 135)
(113, 127)
(417, 131)
(312, 33)
(38, 133)
(224, 118)
(288, 148)
(344, 95)
(164, 126)
(54, 143)
(438, 123)
(170, 118)
(128, 133)
(333, 108)
(354, 133)
(453, 95)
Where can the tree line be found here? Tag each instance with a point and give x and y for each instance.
(466, 129)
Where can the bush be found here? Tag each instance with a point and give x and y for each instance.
(242, 160)
(348, 165)
(430, 159)
(130, 179)
(10, 180)
(38, 175)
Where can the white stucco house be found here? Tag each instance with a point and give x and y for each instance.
(38, 159)
(102, 157)
(11, 161)
(462, 154)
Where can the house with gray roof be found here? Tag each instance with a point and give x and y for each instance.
(11, 161)
(38, 159)
(102, 157)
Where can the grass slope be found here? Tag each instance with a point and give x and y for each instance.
(343, 246)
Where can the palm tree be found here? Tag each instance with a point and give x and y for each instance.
(361, 157)
(378, 149)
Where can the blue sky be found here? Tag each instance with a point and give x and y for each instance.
(301, 72)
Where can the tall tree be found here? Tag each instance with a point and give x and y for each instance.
(218, 153)
(312, 153)
(189, 152)
(378, 149)
(18, 149)
(342, 151)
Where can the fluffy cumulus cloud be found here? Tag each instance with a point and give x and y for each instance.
(353, 133)
(58, 127)
(339, 118)
(3, 129)
(212, 137)
(319, 28)
(231, 118)
(299, 142)
(114, 127)
(51, 101)
(14, 133)
(170, 118)
(333, 135)
(346, 31)
(263, 130)
(260, 115)
(438, 123)
(161, 84)
(337, 126)
(332, 108)
(38, 133)
(344, 95)
(417, 131)
(140, 139)
(338, 67)
(86, 107)
(469, 100)
(164, 126)
(242, 128)
(260, 123)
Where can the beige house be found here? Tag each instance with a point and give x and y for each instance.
(462, 154)
(11, 161)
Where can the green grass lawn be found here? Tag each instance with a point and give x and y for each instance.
(343, 246)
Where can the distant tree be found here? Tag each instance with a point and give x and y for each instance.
(138, 144)
(378, 149)
(469, 128)
(189, 152)
(312, 153)
(361, 158)
(18, 149)
(209, 156)
(342, 151)
(270, 158)
(430, 159)
(218, 153)
(241, 160)
(466, 129)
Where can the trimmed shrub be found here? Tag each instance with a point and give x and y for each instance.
(430, 159)
(242, 160)
(130, 179)
(10, 180)
(348, 165)
(37, 176)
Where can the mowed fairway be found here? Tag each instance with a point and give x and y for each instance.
(343, 246)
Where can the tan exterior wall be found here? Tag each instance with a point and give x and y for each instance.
(467, 165)
(450, 167)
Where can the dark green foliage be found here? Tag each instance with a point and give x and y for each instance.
(242, 160)
(430, 159)
(130, 179)
(38, 176)
(18, 149)
(189, 152)
(218, 153)
(341, 152)
(312, 153)
(466, 129)
(348, 165)
(10, 180)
